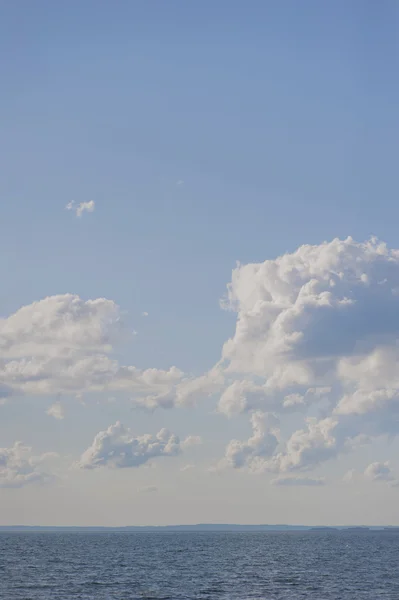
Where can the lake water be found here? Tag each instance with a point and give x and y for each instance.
(206, 566)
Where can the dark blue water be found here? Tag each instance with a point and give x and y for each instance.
(212, 566)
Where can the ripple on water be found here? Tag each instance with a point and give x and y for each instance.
(199, 566)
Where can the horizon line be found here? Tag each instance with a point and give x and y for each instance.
(202, 525)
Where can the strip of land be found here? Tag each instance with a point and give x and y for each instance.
(202, 527)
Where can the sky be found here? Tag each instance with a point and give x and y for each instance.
(200, 265)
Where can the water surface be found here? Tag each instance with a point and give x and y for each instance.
(199, 566)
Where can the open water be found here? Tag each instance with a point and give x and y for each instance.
(199, 566)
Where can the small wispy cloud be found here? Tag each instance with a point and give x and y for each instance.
(56, 410)
(349, 476)
(191, 440)
(82, 207)
(144, 314)
(179, 182)
(187, 467)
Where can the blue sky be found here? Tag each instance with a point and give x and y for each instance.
(206, 133)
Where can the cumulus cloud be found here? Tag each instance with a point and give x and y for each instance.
(304, 449)
(118, 448)
(316, 340)
(378, 471)
(62, 324)
(260, 445)
(317, 331)
(19, 467)
(191, 440)
(308, 447)
(64, 344)
(56, 410)
(320, 316)
(304, 481)
(243, 395)
(184, 391)
(319, 303)
(82, 207)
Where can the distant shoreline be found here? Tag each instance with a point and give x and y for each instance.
(201, 527)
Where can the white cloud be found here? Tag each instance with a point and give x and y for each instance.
(185, 391)
(244, 395)
(304, 449)
(304, 481)
(60, 325)
(179, 182)
(363, 401)
(191, 440)
(378, 471)
(19, 467)
(317, 332)
(118, 448)
(187, 467)
(319, 316)
(308, 447)
(316, 305)
(349, 476)
(64, 344)
(375, 472)
(144, 314)
(82, 207)
(260, 445)
(56, 410)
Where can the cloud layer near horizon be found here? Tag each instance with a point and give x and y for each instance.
(316, 335)
(20, 467)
